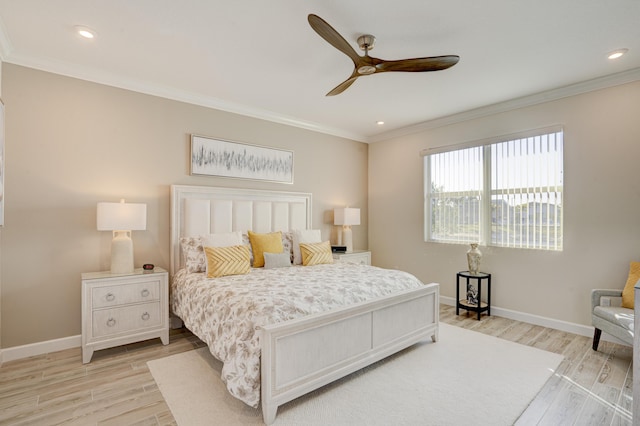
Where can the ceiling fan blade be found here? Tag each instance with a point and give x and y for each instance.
(343, 86)
(433, 63)
(367, 65)
(327, 32)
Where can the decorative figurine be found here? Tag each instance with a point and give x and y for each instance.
(472, 295)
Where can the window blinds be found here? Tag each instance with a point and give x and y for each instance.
(507, 193)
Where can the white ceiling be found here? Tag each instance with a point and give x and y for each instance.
(261, 58)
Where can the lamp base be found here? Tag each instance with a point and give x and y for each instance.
(347, 238)
(121, 253)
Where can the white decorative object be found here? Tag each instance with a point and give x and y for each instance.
(121, 218)
(474, 256)
(347, 217)
(122, 309)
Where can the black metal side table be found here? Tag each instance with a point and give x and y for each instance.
(467, 304)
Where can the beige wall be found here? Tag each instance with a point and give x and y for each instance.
(72, 143)
(601, 206)
(1, 233)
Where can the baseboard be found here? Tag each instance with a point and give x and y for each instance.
(34, 349)
(570, 327)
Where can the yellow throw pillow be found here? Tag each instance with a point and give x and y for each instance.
(627, 293)
(222, 261)
(316, 253)
(260, 243)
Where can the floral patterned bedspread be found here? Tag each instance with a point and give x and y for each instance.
(224, 312)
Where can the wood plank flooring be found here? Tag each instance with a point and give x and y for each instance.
(116, 388)
(588, 388)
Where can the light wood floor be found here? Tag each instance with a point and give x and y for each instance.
(116, 388)
(588, 388)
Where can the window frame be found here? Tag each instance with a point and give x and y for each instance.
(488, 192)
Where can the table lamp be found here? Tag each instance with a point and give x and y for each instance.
(122, 218)
(346, 217)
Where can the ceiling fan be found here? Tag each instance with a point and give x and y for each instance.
(367, 65)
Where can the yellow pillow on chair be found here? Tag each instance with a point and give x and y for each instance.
(627, 293)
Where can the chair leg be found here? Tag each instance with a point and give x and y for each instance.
(596, 339)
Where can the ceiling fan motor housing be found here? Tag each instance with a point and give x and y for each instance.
(366, 42)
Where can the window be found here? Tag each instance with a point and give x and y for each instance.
(505, 192)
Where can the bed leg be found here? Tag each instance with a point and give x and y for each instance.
(434, 337)
(269, 413)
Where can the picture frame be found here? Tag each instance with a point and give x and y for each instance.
(223, 158)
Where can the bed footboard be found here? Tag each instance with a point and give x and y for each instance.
(301, 355)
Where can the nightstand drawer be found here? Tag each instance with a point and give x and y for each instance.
(360, 257)
(128, 318)
(125, 293)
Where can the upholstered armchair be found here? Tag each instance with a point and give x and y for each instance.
(607, 315)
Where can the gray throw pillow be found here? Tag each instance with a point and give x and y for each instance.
(276, 260)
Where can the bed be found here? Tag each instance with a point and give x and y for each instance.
(305, 339)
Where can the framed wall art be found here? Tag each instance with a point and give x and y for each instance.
(215, 157)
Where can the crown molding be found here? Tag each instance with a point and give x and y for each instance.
(101, 77)
(525, 101)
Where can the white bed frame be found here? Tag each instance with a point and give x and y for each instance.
(304, 354)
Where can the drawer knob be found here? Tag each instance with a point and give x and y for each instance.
(110, 297)
(146, 316)
(144, 293)
(111, 322)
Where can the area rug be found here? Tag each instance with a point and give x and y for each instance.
(464, 378)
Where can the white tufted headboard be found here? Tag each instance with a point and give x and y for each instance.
(197, 210)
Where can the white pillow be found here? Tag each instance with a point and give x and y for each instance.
(226, 239)
(223, 239)
(303, 236)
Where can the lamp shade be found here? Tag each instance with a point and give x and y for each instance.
(122, 216)
(346, 216)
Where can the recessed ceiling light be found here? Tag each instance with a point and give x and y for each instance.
(380, 123)
(617, 53)
(85, 32)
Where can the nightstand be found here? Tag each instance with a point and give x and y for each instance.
(478, 305)
(362, 257)
(118, 309)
